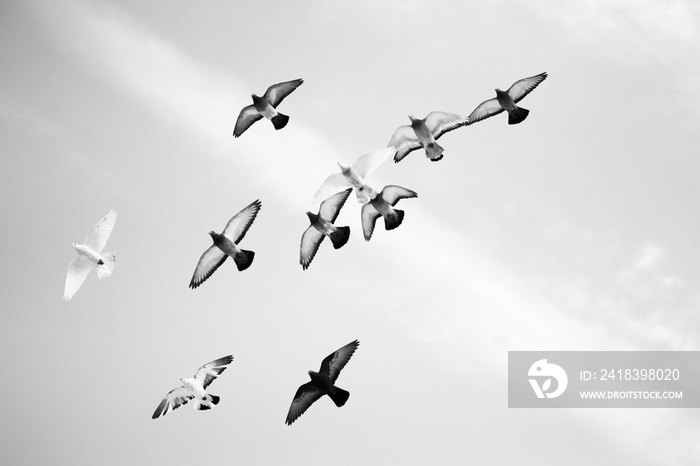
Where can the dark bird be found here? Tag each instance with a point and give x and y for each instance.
(383, 205)
(423, 133)
(194, 389)
(322, 226)
(226, 244)
(323, 383)
(266, 106)
(507, 100)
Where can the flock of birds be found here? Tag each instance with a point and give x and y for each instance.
(332, 194)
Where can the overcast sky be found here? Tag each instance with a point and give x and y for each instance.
(574, 230)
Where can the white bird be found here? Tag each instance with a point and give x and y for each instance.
(194, 389)
(354, 176)
(383, 205)
(507, 100)
(226, 244)
(266, 106)
(322, 226)
(90, 255)
(424, 133)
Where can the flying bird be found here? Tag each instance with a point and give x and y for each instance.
(194, 389)
(226, 244)
(383, 205)
(90, 255)
(322, 226)
(507, 100)
(266, 106)
(323, 383)
(424, 133)
(353, 176)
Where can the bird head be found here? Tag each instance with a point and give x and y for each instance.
(312, 217)
(344, 168)
(410, 117)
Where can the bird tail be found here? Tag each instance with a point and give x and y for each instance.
(206, 403)
(393, 221)
(434, 151)
(280, 120)
(244, 259)
(517, 115)
(109, 260)
(214, 399)
(339, 396)
(340, 237)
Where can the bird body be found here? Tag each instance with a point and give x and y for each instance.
(226, 245)
(424, 133)
(322, 226)
(507, 100)
(383, 205)
(90, 255)
(266, 106)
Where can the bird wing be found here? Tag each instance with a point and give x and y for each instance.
(485, 109)
(405, 141)
(367, 163)
(277, 92)
(440, 123)
(208, 372)
(334, 184)
(207, 265)
(97, 237)
(78, 271)
(247, 117)
(330, 208)
(369, 217)
(392, 194)
(237, 227)
(334, 362)
(305, 396)
(173, 400)
(310, 241)
(524, 86)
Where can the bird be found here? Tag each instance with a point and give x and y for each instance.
(90, 255)
(322, 226)
(424, 133)
(353, 176)
(194, 389)
(506, 100)
(226, 244)
(323, 383)
(266, 106)
(383, 205)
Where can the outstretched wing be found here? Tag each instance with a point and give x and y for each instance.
(440, 123)
(211, 260)
(369, 217)
(173, 400)
(334, 363)
(247, 117)
(485, 109)
(208, 372)
(305, 396)
(97, 237)
(78, 271)
(405, 141)
(393, 193)
(524, 86)
(367, 163)
(277, 92)
(310, 241)
(330, 208)
(237, 227)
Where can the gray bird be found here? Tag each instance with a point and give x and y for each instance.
(226, 244)
(383, 205)
(323, 383)
(424, 133)
(322, 226)
(266, 106)
(506, 100)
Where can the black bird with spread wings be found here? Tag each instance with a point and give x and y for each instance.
(323, 383)
(506, 100)
(266, 106)
(322, 226)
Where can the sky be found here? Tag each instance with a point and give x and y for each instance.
(574, 230)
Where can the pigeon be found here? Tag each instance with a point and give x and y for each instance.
(322, 226)
(265, 106)
(322, 383)
(90, 255)
(507, 100)
(226, 244)
(353, 176)
(194, 389)
(382, 204)
(423, 133)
